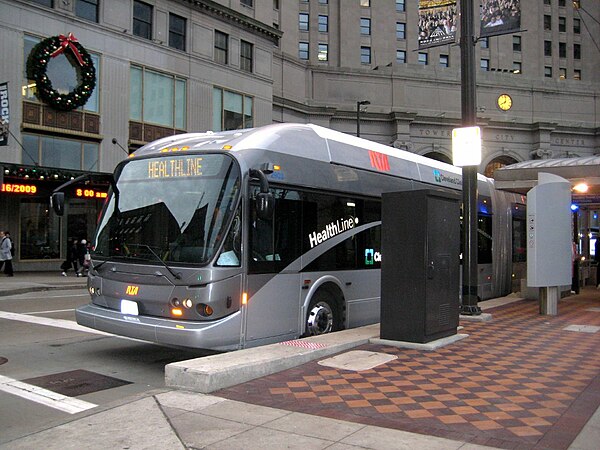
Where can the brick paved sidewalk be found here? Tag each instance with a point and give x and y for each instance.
(522, 381)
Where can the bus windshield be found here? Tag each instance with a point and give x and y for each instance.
(172, 209)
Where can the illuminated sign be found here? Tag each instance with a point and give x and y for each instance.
(371, 257)
(331, 230)
(18, 188)
(132, 290)
(175, 168)
(90, 193)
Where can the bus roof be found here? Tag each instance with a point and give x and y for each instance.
(317, 143)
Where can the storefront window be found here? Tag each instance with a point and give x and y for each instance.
(40, 231)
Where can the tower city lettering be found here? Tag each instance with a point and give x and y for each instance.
(332, 229)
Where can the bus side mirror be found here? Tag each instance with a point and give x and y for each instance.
(265, 203)
(57, 201)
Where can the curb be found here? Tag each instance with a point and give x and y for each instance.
(25, 290)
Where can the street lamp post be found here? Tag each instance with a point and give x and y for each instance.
(358, 105)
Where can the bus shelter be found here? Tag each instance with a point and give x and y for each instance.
(584, 175)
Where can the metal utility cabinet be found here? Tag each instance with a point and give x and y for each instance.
(420, 265)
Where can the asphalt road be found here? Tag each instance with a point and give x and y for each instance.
(43, 352)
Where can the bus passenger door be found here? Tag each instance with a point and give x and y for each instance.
(273, 289)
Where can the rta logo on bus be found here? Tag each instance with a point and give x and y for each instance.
(371, 257)
(132, 290)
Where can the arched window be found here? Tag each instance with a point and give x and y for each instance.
(498, 163)
(439, 157)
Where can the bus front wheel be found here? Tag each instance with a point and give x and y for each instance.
(323, 315)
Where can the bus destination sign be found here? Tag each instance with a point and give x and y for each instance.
(175, 167)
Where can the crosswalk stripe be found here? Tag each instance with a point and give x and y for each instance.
(44, 396)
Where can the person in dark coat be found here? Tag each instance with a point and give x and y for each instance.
(72, 259)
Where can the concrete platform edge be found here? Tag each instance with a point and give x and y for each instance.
(209, 374)
(429, 346)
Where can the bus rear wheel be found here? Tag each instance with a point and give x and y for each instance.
(323, 315)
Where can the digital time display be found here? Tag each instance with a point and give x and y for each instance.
(90, 193)
(18, 188)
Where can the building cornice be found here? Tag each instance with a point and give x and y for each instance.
(226, 14)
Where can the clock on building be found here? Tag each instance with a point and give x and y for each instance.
(504, 102)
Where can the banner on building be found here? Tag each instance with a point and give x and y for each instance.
(4, 114)
(438, 21)
(500, 17)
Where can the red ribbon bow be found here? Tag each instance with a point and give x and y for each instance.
(68, 41)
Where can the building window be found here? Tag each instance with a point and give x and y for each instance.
(400, 30)
(142, 19)
(365, 3)
(547, 48)
(276, 5)
(48, 3)
(576, 51)
(365, 26)
(547, 22)
(444, 61)
(577, 76)
(400, 5)
(484, 42)
(547, 2)
(246, 58)
(401, 56)
(303, 50)
(484, 64)
(231, 111)
(323, 52)
(40, 230)
(548, 72)
(423, 58)
(365, 55)
(248, 3)
(561, 2)
(323, 24)
(157, 98)
(517, 67)
(87, 9)
(177, 32)
(62, 74)
(562, 49)
(516, 43)
(562, 73)
(576, 26)
(562, 24)
(323, 2)
(49, 151)
(303, 22)
(221, 47)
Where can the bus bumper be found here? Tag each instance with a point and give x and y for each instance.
(223, 334)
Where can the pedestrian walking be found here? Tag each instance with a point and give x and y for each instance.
(6, 253)
(83, 257)
(72, 259)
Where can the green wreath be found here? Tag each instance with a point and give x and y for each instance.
(37, 64)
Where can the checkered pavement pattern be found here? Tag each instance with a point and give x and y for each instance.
(519, 382)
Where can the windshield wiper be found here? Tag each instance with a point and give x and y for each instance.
(177, 275)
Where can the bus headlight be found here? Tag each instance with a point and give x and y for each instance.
(188, 303)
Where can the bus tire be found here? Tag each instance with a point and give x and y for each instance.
(324, 314)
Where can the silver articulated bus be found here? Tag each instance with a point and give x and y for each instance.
(242, 238)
